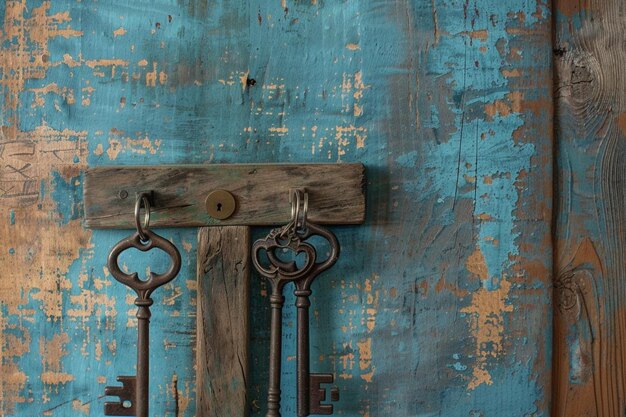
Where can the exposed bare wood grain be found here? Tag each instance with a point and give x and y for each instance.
(589, 374)
(336, 193)
(222, 321)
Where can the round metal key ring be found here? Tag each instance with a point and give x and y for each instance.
(295, 230)
(291, 228)
(302, 228)
(142, 200)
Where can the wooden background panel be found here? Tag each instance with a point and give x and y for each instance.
(438, 304)
(590, 325)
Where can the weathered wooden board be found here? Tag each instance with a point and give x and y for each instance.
(336, 193)
(590, 247)
(440, 302)
(222, 334)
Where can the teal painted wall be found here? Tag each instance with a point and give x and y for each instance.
(440, 304)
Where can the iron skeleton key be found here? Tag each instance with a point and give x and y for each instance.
(279, 274)
(134, 394)
(310, 394)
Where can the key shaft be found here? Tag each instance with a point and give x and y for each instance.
(308, 396)
(277, 301)
(302, 352)
(143, 358)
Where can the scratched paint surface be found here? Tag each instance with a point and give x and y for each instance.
(439, 304)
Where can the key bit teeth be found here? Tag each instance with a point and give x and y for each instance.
(126, 391)
(334, 394)
(126, 394)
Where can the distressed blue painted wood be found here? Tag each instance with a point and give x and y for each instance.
(439, 305)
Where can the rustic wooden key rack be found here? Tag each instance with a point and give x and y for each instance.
(224, 201)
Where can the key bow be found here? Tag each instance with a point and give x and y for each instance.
(318, 267)
(279, 271)
(144, 288)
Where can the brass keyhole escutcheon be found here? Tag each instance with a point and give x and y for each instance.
(220, 204)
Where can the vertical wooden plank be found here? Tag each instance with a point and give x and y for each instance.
(590, 288)
(222, 343)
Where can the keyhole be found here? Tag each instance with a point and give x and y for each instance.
(220, 204)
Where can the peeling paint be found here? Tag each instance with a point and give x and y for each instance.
(486, 318)
(433, 97)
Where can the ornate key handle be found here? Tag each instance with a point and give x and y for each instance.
(317, 267)
(134, 394)
(279, 272)
(294, 236)
(281, 238)
(144, 239)
(144, 288)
